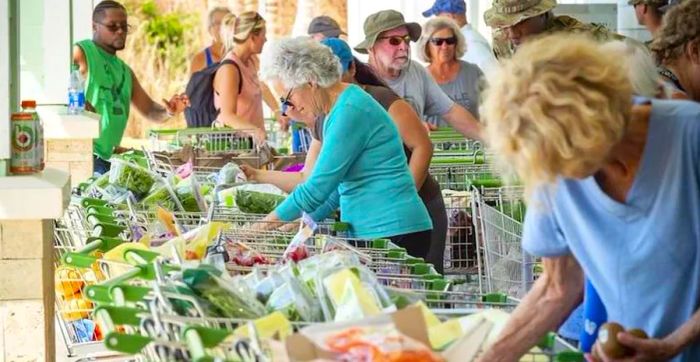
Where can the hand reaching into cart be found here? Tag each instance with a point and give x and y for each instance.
(251, 173)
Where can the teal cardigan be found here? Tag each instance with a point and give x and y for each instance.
(361, 168)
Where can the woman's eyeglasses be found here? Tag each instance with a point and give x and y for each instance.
(397, 40)
(440, 41)
(285, 103)
(115, 27)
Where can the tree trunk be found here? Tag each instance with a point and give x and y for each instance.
(281, 15)
(336, 9)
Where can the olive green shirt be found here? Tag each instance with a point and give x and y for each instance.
(504, 49)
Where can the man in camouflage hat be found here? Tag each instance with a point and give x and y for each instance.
(650, 13)
(517, 20)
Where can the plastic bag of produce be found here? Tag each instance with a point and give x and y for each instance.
(310, 268)
(227, 197)
(186, 191)
(230, 174)
(131, 177)
(293, 300)
(348, 294)
(231, 302)
(378, 343)
(254, 202)
(193, 244)
(161, 195)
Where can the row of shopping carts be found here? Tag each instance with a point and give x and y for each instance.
(136, 299)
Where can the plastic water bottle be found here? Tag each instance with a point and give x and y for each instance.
(76, 92)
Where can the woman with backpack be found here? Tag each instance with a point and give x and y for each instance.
(215, 52)
(237, 90)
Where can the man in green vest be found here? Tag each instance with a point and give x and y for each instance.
(514, 21)
(111, 88)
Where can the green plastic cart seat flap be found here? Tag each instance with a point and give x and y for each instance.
(89, 201)
(399, 253)
(340, 227)
(494, 298)
(108, 229)
(78, 260)
(126, 343)
(210, 337)
(548, 341)
(412, 260)
(569, 356)
(101, 218)
(380, 243)
(100, 209)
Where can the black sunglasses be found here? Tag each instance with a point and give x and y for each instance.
(440, 41)
(115, 27)
(285, 103)
(397, 40)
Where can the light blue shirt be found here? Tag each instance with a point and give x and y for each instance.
(478, 50)
(643, 256)
(362, 168)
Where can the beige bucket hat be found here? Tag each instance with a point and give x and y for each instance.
(382, 21)
(505, 13)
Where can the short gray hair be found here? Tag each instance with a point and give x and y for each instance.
(300, 60)
(640, 65)
(214, 11)
(433, 26)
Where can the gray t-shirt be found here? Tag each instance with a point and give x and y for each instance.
(464, 90)
(419, 89)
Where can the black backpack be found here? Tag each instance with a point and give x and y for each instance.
(200, 90)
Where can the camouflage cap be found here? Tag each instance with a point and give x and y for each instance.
(505, 13)
(657, 3)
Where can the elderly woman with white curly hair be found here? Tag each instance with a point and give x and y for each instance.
(613, 184)
(361, 166)
(442, 45)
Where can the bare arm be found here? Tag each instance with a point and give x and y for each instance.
(198, 62)
(554, 295)
(150, 109)
(287, 181)
(415, 136)
(81, 61)
(463, 121)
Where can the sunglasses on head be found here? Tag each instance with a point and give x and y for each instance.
(396, 40)
(285, 103)
(440, 41)
(115, 27)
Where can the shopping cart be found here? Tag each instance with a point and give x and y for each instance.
(210, 139)
(505, 267)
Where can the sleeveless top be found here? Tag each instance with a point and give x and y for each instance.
(209, 58)
(249, 106)
(108, 88)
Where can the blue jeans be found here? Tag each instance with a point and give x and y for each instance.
(100, 166)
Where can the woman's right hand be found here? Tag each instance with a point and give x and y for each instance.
(251, 174)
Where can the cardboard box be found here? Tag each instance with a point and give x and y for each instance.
(301, 346)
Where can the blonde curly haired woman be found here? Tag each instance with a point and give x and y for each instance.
(614, 188)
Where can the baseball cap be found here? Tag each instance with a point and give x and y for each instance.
(341, 49)
(446, 6)
(326, 26)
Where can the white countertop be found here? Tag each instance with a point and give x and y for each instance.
(43, 195)
(58, 124)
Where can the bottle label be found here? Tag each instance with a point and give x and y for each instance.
(76, 99)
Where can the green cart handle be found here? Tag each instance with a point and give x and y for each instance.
(82, 257)
(110, 316)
